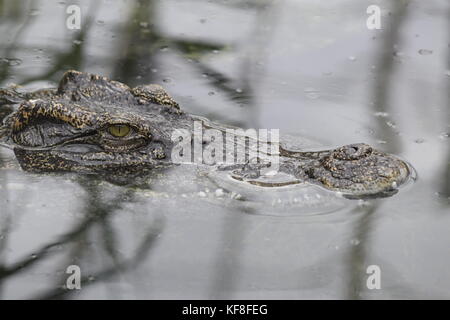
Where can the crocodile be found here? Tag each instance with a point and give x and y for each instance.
(91, 124)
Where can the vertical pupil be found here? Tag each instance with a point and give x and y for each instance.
(119, 130)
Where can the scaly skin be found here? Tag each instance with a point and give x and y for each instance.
(69, 129)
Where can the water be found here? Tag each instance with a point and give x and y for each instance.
(313, 71)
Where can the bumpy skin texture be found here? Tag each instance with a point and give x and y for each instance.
(69, 129)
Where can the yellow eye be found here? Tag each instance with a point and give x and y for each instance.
(119, 130)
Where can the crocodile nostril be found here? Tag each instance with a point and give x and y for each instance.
(352, 152)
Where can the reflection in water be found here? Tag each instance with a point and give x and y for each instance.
(74, 56)
(17, 12)
(96, 222)
(140, 45)
(385, 67)
(358, 258)
(446, 170)
(228, 254)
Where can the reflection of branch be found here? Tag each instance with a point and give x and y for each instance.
(140, 255)
(97, 213)
(229, 253)
(223, 83)
(381, 90)
(141, 44)
(4, 71)
(385, 66)
(446, 176)
(358, 253)
(73, 58)
(45, 250)
(233, 230)
(95, 207)
(92, 215)
(6, 217)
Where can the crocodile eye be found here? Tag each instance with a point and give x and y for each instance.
(119, 130)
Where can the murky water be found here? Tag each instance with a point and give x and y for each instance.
(312, 70)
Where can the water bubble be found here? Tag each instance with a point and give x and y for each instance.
(352, 58)
(143, 24)
(444, 135)
(91, 278)
(355, 242)
(419, 140)
(425, 52)
(219, 193)
(236, 196)
(100, 22)
(211, 93)
(77, 42)
(381, 114)
(202, 194)
(447, 73)
(33, 256)
(391, 124)
(154, 70)
(164, 48)
(381, 141)
(238, 90)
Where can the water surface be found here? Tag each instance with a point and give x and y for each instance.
(312, 70)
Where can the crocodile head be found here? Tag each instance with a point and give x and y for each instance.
(91, 123)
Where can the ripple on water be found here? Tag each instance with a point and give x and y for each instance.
(299, 199)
